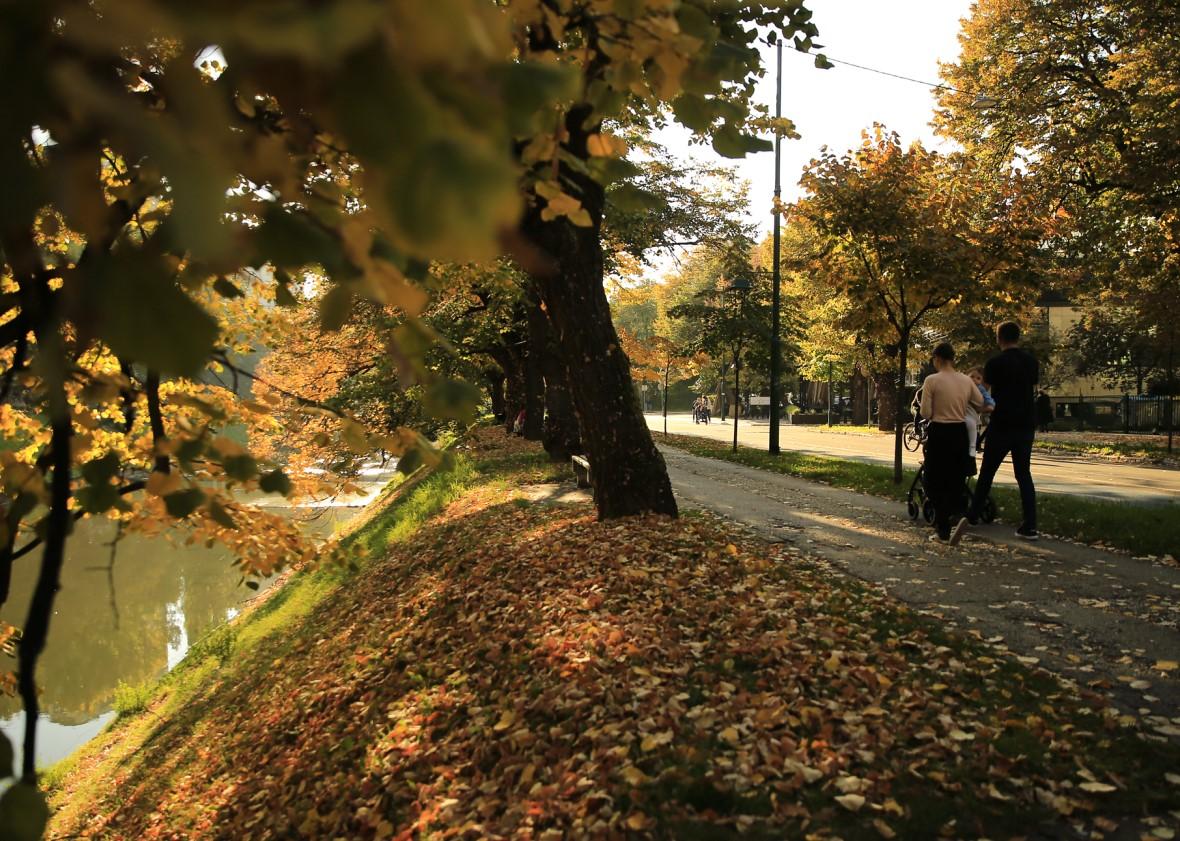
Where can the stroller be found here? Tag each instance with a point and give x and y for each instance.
(918, 502)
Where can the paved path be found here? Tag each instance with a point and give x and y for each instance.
(1053, 473)
(1093, 616)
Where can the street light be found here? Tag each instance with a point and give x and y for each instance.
(741, 286)
(776, 350)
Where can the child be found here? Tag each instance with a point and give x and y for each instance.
(973, 417)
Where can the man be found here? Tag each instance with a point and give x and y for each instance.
(1012, 376)
(946, 396)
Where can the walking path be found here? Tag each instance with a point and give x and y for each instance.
(1102, 619)
(1053, 472)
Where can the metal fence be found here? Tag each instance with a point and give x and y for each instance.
(1127, 413)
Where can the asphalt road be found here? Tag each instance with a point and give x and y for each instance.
(1052, 473)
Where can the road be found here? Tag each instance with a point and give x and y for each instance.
(1052, 473)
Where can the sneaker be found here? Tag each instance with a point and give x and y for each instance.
(959, 531)
(938, 538)
(1025, 533)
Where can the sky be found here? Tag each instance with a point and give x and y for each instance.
(832, 107)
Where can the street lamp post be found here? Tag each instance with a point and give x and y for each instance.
(776, 351)
(741, 286)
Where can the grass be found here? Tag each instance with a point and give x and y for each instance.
(1139, 529)
(1107, 448)
(131, 699)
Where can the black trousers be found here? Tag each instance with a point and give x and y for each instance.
(997, 445)
(946, 471)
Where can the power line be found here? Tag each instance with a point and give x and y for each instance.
(889, 74)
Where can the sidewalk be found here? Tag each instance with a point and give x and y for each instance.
(1053, 472)
(1102, 619)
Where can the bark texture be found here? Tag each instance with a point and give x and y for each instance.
(628, 472)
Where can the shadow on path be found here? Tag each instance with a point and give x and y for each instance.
(1100, 618)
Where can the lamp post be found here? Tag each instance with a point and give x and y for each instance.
(776, 350)
(741, 286)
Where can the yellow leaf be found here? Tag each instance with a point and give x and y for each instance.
(730, 734)
(654, 740)
(731, 549)
(507, 719)
(1166, 665)
(633, 776)
(832, 664)
(851, 802)
(605, 145)
(1098, 788)
(883, 828)
(637, 820)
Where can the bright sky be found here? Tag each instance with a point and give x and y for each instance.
(832, 107)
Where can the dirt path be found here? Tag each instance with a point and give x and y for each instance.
(1100, 618)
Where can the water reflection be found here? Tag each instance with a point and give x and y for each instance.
(128, 622)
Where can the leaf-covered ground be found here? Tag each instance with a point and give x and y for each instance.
(518, 669)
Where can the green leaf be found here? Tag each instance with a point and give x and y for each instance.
(452, 399)
(182, 503)
(409, 461)
(275, 482)
(6, 757)
(177, 334)
(335, 307)
(23, 813)
(99, 495)
(454, 199)
(226, 289)
(632, 199)
(693, 111)
(731, 143)
(221, 515)
(241, 467)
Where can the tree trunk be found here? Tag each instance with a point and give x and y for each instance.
(495, 378)
(627, 471)
(899, 413)
(534, 371)
(860, 397)
(512, 364)
(886, 398)
(562, 434)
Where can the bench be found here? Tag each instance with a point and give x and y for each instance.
(581, 470)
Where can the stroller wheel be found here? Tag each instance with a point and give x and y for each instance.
(912, 508)
(928, 511)
(988, 513)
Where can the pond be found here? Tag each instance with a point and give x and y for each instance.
(131, 621)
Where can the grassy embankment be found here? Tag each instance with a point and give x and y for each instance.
(1140, 529)
(509, 666)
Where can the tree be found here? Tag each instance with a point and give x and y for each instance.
(148, 174)
(699, 60)
(1083, 94)
(905, 233)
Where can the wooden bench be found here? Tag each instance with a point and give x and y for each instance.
(581, 470)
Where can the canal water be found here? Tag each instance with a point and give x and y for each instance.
(132, 621)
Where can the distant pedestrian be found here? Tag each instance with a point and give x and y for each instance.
(518, 424)
(1012, 376)
(947, 396)
(1044, 411)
